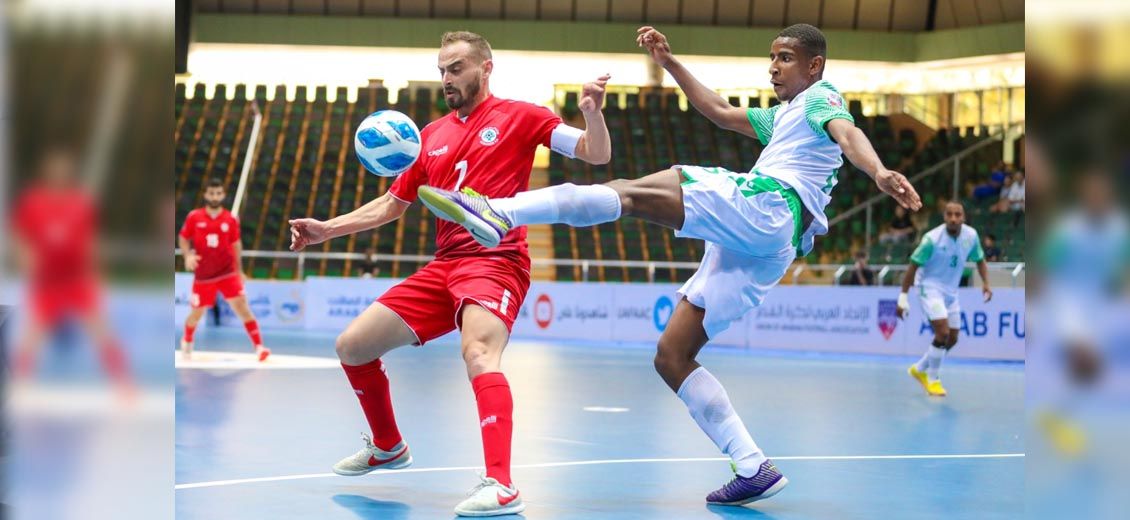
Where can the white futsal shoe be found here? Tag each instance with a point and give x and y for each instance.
(186, 349)
(489, 498)
(372, 458)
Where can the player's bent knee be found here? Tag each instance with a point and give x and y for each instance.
(479, 358)
(951, 341)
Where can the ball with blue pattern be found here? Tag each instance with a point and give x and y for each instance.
(387, 143)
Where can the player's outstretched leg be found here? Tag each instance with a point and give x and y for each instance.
(484, 338)
(375, 332)
(656, 198)
(756, 478)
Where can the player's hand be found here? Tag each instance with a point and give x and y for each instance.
(655, 43)
(190, 261)
(902, 309)
(306, 232)
(592, 95)
(987, 292)
(895, 184)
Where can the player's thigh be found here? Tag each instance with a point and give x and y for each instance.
(203, 294)
(738, 211)
(656, 198)
(240, 307)
(372, 334)
(423, 302)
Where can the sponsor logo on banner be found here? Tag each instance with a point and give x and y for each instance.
(888, 317)
(347, 306)
(543, 311)
(661, 312)
(289, 310)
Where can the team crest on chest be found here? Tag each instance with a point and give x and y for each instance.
(224, 227)
(488, 136)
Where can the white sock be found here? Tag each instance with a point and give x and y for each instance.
(923, 363)
(577, 206)
(710, 407)
(935, 356)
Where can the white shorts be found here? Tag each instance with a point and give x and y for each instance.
(940, 305)
(750, 245)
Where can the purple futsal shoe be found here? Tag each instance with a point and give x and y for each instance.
(743, 490)
(468, 209)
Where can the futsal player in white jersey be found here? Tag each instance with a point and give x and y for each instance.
(755, 223)
(935, 269)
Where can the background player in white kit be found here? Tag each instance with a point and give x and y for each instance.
(935, 268)
(755, 223)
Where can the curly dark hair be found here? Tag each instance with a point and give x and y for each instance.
(810, 38)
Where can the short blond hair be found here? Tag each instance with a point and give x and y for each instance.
(479, 44)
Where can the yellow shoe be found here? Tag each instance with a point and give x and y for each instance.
(935, 388)
(919, 376)
(1068, 437)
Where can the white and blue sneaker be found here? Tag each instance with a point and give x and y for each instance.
(468, 209)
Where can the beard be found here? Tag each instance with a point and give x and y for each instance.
(213, 204)
(459, 100)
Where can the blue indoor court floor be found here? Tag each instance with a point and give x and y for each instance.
(597, 434)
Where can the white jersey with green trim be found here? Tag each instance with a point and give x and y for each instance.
(942, 257)
(799, 152)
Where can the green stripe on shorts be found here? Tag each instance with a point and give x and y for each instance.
(753, 183)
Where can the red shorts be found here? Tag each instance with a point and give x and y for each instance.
(51, 304)
(204, 293)
(429, 301)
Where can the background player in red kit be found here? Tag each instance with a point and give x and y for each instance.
(56, 225)
(486, 145)
(210, 241)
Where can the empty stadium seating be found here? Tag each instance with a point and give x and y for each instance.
(304, 167)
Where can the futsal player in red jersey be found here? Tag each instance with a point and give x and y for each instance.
(485, 145)
(55, 229)
(210, 241)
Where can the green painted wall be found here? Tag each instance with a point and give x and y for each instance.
(597, 37)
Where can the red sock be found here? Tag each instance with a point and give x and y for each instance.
(253, 332)
(189, 331)
(114, 361)
(496, 409)
(370, 384)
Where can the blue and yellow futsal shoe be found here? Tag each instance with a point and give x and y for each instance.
(468, 209)
(919, 376)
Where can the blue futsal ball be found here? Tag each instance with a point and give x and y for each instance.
(387, 143)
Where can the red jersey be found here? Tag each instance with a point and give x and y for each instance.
(59, 227)
(491, 152)
(212, 239)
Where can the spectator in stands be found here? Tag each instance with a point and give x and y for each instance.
(992, 188)
(992, 252)
(1001, 205)
(861, 274)
(900, 229)
(368, 267)
(1016, 194)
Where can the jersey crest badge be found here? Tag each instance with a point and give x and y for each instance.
(488, 136)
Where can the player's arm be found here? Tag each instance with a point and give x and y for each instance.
(707, 102)
(857, 148)
(594, 146)
(918, 258)
(907, 281)
(983, 270)
(376, 213)
(189, 255)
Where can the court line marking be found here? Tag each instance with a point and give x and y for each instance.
(216, 483)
